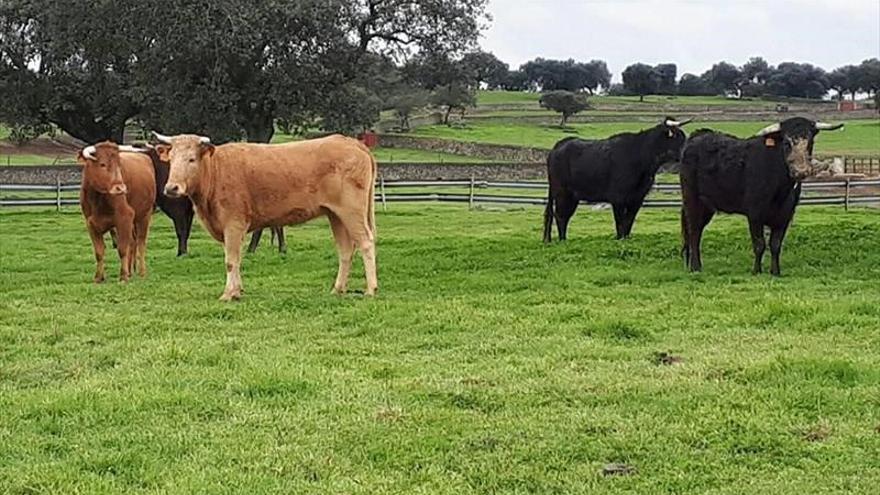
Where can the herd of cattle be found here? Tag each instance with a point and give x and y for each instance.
(238, 188)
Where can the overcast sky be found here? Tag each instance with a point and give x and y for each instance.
(691, 33)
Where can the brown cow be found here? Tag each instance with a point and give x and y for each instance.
(241, 187)
(118, 192)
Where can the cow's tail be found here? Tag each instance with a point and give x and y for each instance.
(548, 216)
(371, 198)
(685, 251)
(548, 209)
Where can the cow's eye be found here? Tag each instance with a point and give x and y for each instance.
(192, 160)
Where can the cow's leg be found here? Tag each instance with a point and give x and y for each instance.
(98, 245)
(179, 219)
(282, 244)
(619, 219)
(698, 216)
(566, 204)
(777, 235)
(125, 245)
(756, 228)
(255, 241)
(183, 241)
(345, 248)
(629, 218)
(358, 228)
(141, 230)
(233, 237)
(113, 240)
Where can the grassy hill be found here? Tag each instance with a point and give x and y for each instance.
(860, 137)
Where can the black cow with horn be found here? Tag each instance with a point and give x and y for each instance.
(619, 170)
(759, 177)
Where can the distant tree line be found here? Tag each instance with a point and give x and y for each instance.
(754, 78)
(92, 68)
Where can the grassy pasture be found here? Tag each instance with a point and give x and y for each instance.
(528, 98)
(860, 137)
(489, 363)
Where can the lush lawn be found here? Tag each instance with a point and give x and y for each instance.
(514, 98)
(488, 364)
(860, 136)
(31, 160)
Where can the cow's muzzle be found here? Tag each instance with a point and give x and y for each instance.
(117, 189)
(173, 190)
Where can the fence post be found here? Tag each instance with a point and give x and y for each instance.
(471, 195)
(846, 196)
(382, 192)
(57, 193)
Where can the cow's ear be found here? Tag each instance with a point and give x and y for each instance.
(163, 151)
(207, 149)
(772, 139)
(81, 160)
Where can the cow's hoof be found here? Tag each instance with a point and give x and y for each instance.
(370, 292)
(230, 296)
(338, 291)
(99, 279)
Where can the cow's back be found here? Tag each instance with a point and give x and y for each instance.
(280, 184)
(599, 170)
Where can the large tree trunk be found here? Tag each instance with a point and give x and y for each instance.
(260, 127)
(86, 129)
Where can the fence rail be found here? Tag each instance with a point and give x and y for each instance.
(836, 192)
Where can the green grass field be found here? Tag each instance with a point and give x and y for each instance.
(860, 137)
(522, 98)
(489, 363)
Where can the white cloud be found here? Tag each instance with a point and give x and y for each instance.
(692, 33)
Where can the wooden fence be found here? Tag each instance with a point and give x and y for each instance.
(866, 166)
(473, 191)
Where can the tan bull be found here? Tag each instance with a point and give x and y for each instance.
(241, 187)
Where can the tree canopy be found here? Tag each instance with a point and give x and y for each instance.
(227, 68)
(565, 103)
(640, 79)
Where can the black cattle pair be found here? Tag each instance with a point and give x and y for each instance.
(759, 177)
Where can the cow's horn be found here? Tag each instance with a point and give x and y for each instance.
(131, 149)
(822, 126)
(675, 123)
(769, 129)
(89, 152)
(161, 138)
(204, 140)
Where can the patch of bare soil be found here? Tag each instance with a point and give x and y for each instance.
(666, 359)
(617, 469)
(44, 146)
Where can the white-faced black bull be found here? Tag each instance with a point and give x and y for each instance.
(619, 170)
(759, 177)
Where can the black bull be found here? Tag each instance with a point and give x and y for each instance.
(179, 210)
(759, 177)
(619, 170)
